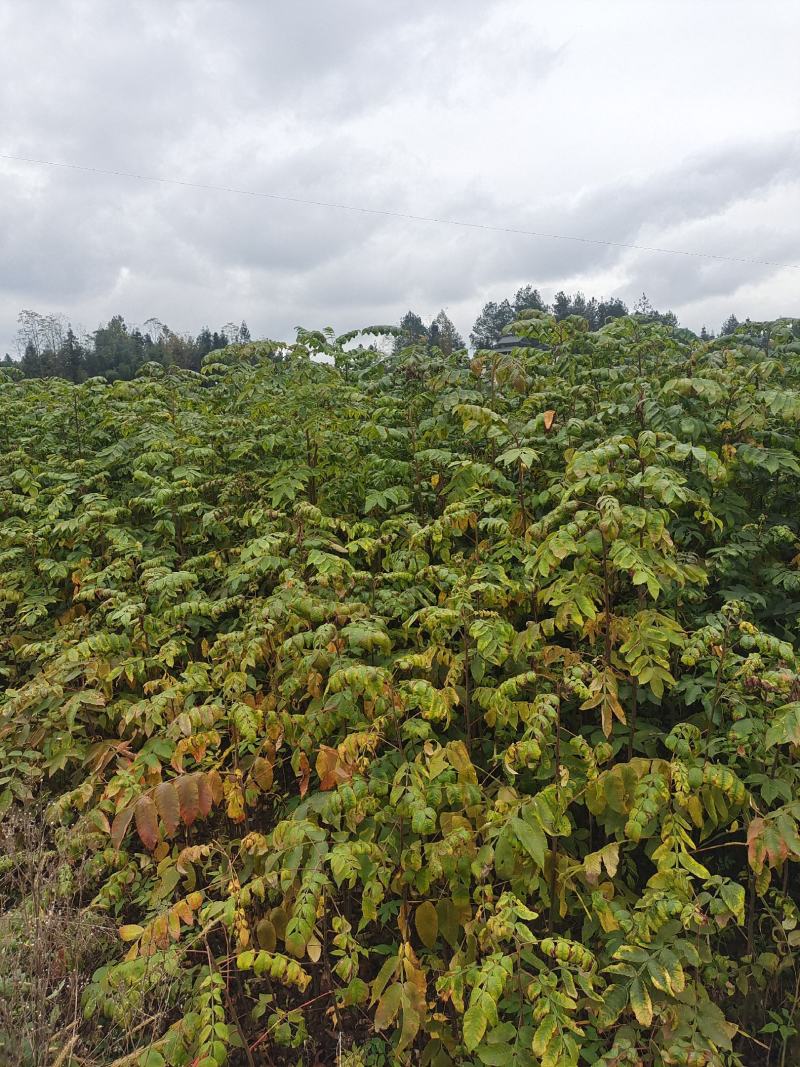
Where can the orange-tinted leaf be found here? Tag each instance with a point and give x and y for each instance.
(166, 801)
(160, 931)
(173, 924)
(215, 782)
(262, 773)
(304, 774)
(549, 418)
(147, 822)
(327, 758)
(119, 826)
(332, 769)
(189, 797)
(184, 912)
(205, 798)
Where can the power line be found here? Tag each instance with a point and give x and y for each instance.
(385, 212)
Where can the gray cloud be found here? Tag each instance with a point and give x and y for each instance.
(501, 114)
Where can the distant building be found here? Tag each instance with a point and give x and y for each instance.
(509, 341)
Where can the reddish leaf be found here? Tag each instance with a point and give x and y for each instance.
(189, 797)
(304, 773)
(119, 826)
(147, 822)
(204, 796)
(166, 801)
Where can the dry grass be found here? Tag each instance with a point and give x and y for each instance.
(49, 945)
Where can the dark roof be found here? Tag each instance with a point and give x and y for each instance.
(510, 340)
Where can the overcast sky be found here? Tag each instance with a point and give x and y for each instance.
(657, 122)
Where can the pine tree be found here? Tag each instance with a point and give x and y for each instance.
(444, 335)
(31, 361)
(491, 324)
(412, 331)
(528, 299)
(70, 357)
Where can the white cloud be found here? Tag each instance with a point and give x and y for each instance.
(668, 123)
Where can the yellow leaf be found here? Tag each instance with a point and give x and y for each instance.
(427, 923)
(131, 932)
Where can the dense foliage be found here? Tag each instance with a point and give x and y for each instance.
(405, 708)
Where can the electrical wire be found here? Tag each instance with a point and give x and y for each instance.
(387, 213)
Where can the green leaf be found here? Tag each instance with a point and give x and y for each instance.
(672, 965)
(151, 1058)
(631, 954)
(495, 1055)
(544, 1034)
(640, 1002)
(734, 896)
(659, 976)
(785, 730)
(474, 1024)
(532, 840)
(388, 1007)
(691, 865)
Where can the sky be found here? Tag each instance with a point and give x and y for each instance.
(663, 123)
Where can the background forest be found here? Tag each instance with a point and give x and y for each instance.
(47, 344)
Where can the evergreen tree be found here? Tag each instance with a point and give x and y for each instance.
(527, 298)
(31, 361)
(412, 331)
(729, 326)
(491, 324)
(562, 305)
(70, 357)
(244, 333)
(204, 343)
(444, 335)
(614, 308)
(647, 313)
(117, 354)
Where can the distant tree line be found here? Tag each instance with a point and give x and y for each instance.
(440, 333)
(47, 345)
(495, 318)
